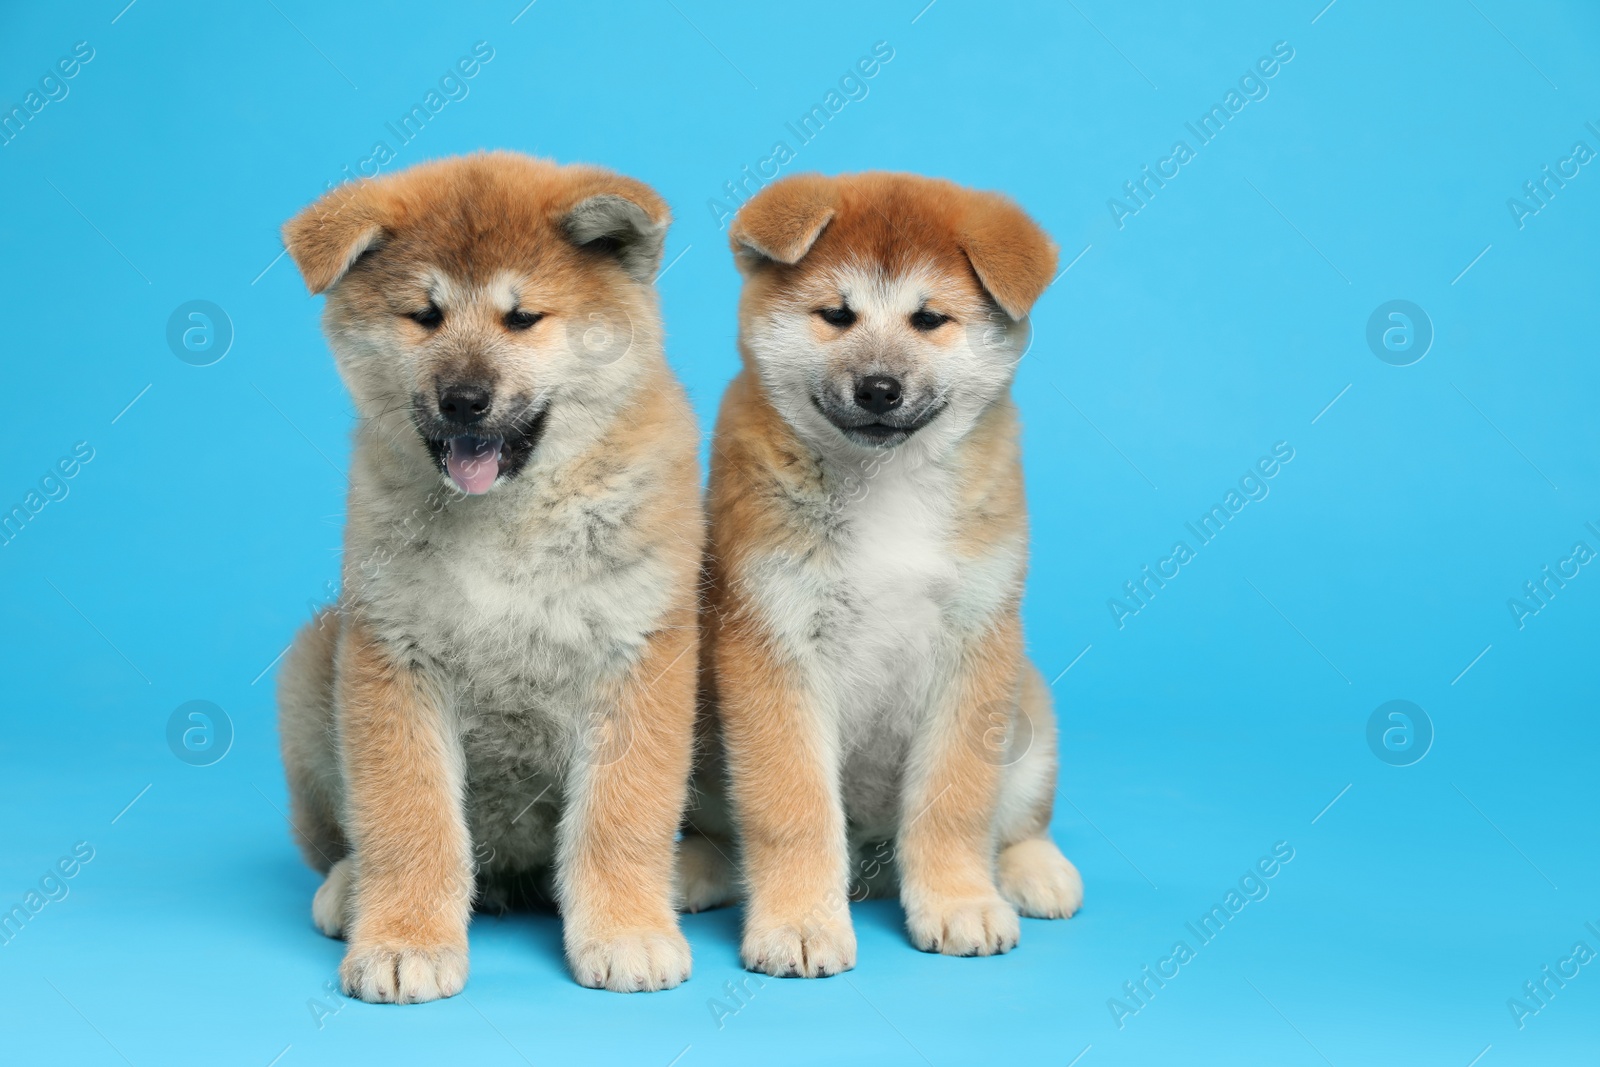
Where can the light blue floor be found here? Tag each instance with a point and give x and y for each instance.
(1198, 327)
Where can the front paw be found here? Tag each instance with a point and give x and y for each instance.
(639, 961)
(800, 950)
(981, 926)
(384, 974)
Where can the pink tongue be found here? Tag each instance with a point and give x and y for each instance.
(474, 463)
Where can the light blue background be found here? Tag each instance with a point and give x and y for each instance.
(1222, 318)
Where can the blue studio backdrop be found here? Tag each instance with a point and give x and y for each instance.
(1311, 459)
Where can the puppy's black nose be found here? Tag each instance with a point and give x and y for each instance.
(878, 394)
(464, 402)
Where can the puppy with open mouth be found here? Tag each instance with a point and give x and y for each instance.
(500, 708)
(873, 723)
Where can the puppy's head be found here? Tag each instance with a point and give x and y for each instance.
(477, 303)
(882, 307)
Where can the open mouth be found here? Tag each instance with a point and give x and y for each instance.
(475, 461)
(879, 431)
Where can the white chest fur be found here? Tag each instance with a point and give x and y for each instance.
(877, 617)
(522, 603)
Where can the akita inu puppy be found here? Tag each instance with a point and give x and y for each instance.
(863, 654)
(502, 704)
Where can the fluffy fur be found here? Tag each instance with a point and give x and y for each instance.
(500, 708)
(871, 722)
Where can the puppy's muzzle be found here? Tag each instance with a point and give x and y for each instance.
(876, 411)
(878, 395)
(475, 437)
(465, 403)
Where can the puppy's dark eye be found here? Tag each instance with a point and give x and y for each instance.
(839, 316)
(926, 320)
(429, 317)
(518, 319)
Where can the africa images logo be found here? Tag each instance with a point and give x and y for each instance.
(1252, 86)
(1140, 591)
(452, 87)
(1251, 888)
(852, 86)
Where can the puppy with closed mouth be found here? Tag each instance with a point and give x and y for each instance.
(500, 709)
(873, 724)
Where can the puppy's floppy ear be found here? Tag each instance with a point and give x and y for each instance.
(622, 218)
(329, 236)
(1012, 256)
(783, 221)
